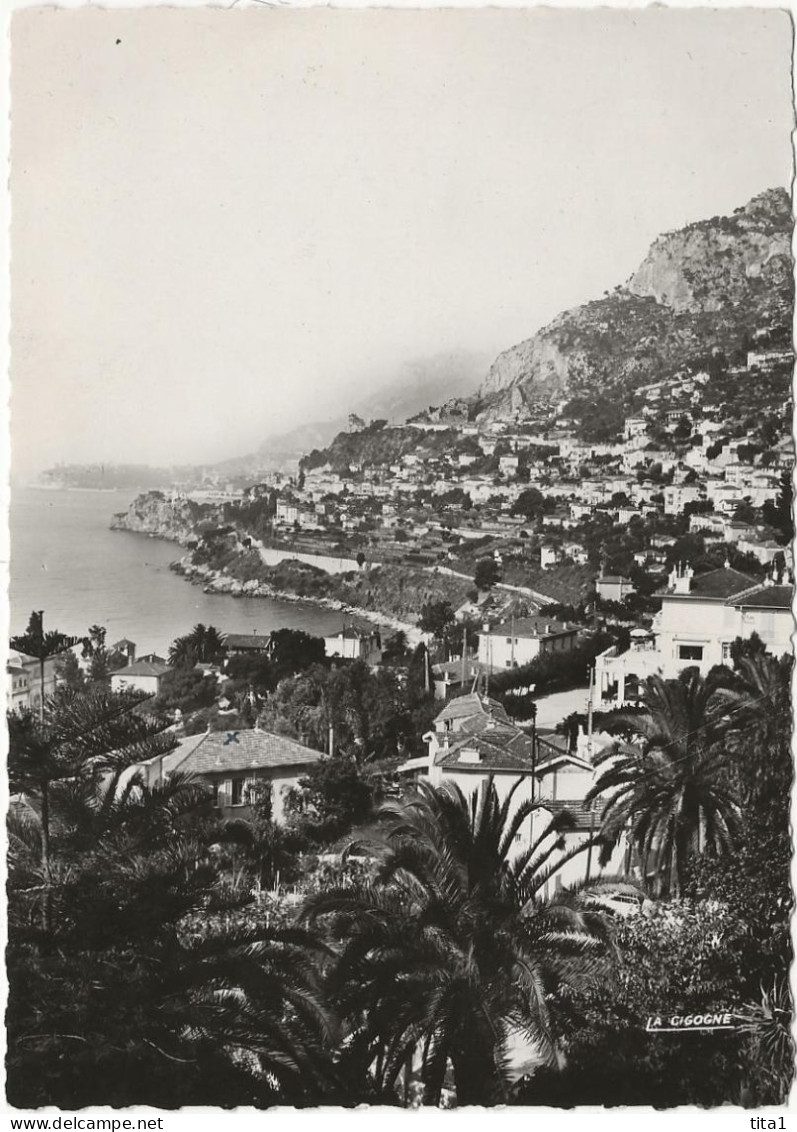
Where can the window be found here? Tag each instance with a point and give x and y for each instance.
(509, 640)
(237, 796)
(726, 650)
(690, 652)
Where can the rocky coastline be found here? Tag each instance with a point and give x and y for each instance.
(215, 581)
(224, 559)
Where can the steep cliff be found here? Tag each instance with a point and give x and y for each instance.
(712, 264)
(702, 287)
(169, 517)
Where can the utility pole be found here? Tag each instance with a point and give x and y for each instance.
(589, 714)
(591, 836)
(589, 756)
(533, 752)
(42, 659)
(464, 649)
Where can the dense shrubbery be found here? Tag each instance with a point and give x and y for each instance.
(155, 958)
(555, 672)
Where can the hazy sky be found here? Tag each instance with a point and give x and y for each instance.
(225, 222)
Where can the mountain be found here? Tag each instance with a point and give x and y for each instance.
(705, 286)
(396, 396)
(422, 383)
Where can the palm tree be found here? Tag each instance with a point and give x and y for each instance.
(203, 645)
(673, 793)
(35, 642)
(447, 958)
(151, 985)
(756, 704)
(78, 734)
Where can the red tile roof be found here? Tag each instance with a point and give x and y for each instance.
(765, 597)
(220, 752)
(247, 641)
(472, 704)
(142, 668)
(499, 746)
(716, 584)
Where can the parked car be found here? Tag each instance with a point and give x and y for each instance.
(623, 904)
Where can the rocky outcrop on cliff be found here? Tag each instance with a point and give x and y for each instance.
(705, 285)
(712, 264)
(163, 516)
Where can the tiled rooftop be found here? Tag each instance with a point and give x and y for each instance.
(219, 752)
(718, 584)
(500, 747)
(765, 597)
(142, 668)
(472, 704)
(247, 640)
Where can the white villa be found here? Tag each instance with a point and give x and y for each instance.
(350, 643)
(515, 643)
(701, 616)
(144, 675)
(473, 739)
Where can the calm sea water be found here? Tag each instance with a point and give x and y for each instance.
(66, 561)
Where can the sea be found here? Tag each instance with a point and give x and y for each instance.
(66, 561)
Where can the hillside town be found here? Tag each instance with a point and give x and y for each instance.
(537, 775)
(582, 572)
(689, 502)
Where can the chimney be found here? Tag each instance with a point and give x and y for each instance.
(682, 583)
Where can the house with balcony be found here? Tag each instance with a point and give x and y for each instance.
(619, 676)
(472, 740)
(248, 644)
(701, 616)
(351, 643)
